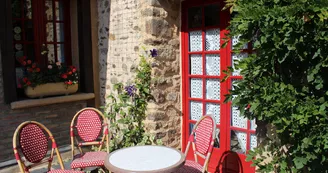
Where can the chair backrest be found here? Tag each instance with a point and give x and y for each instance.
(202, 139)
(89, 124)
(33, 141)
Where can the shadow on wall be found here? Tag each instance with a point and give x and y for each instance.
(103, 42)
(229, 163)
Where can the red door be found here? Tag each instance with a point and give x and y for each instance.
(204, 25)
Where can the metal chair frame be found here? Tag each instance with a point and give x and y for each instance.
(21, 163)
(192, 143)
(105, 138)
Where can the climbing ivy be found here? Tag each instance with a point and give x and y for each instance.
(127, 107)
(285, 80)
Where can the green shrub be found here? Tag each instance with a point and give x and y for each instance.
(285, 80)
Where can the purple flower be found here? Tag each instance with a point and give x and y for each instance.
(130, 90)
(153, 53)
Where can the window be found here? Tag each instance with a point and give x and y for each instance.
(41, 30)
(28, 18)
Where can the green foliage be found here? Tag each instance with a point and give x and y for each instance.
(127, 108)
(285, 80)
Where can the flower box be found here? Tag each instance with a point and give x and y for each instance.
(50, 89)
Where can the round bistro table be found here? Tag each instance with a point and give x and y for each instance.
(146, 159)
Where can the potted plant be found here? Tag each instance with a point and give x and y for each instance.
(55, 79)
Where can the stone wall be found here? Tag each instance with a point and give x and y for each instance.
(160, 29)
(124, 41)
(152, 24)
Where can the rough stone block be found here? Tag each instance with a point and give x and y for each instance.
(167, 54)
(157, 116)
(151, 12)
(159, 96)
(172, 96)
(155, 3)
(158, 27)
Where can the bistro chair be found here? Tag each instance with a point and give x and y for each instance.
(91, 128)
(32, 140)
(202, 141)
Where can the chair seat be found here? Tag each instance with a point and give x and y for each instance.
(64, 171)
(190, 167)
(89, 159)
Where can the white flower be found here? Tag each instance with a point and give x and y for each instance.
(49, 66)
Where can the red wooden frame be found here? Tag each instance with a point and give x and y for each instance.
(39, 21)
(226, 61)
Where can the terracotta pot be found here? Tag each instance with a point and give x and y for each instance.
(50, 89)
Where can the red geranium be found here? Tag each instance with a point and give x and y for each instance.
(69, 82)
(64, 76)
(56, 72)
(25, 79)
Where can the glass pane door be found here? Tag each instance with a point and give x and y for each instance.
(203, 57)
(203, 29)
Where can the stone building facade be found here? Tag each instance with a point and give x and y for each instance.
(124, 26)
(151, 24)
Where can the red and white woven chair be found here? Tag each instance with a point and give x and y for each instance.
(202, 140)
(33, 140)
(89, 124)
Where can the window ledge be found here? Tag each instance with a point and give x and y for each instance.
(51, 100)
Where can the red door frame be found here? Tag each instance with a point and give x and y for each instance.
(225, 109)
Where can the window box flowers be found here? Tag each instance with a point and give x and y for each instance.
(54, 79)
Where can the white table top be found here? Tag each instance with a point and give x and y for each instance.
(145, 159)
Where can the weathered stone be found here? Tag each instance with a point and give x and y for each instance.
(113, 80)
(158, 125)
(174, 43)
(124, 67)
(159, 96)
(155, 3)
(151, 12)
(166, 54)
(157, 27)
(160, 135)
(171, 96)
(153, 41)
(136, 48)
(133, 68)
(157, 116)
